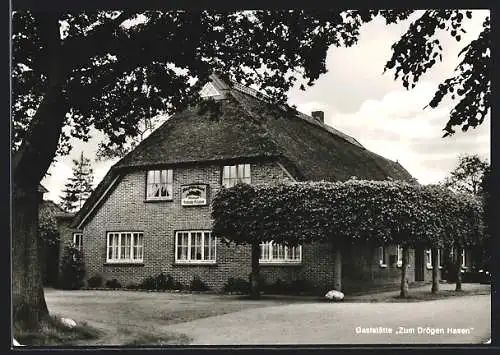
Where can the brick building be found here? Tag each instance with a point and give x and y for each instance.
(151, 212)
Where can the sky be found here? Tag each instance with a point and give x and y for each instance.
(359, 100)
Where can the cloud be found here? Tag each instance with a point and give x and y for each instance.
(355, 74)
(398, 128)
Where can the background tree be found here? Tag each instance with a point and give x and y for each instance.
(486, 193)
(74, 71)
(49, 241)
(145, 126)
(79, 186)
(468, 175)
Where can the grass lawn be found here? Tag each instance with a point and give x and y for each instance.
(118, 317)
(139, 318)
(53, 332)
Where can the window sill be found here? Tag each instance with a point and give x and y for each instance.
(159, 200)
(280, 263)
(194, 263)
(124, 264)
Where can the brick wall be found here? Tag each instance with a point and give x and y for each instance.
(125, 209)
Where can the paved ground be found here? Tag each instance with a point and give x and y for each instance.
(228, 320)
(341, 323)
(445, 287)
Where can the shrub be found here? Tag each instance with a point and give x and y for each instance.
(301, 286)
(149, 283)
(113, 284)
(261, 281)
(132, 286)
(163, 282)
(278, 287)
(72, 269)
(95, 281)
(159, 282)
(178, 286)
(237, 285)
(197, 284)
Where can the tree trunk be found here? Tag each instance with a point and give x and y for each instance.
(404, 276)
(435, 271)
(254, 277)
(337, 270)
(28, 302)
(458, 268)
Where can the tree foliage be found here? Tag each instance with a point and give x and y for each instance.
(47, 223)
(120, 67)
(79, 186)
(419, 49)
(144, 128)
(468, 175)
(374, 212)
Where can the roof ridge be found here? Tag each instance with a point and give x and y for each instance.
(263, 97)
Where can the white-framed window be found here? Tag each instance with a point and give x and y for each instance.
(192, 247)
(399, 253)
(428, 254)
(159, 185)
(233, 174)
(78, 241)
(382, 256)
(125, 247)
(464, 259)
(271, 252)
(441, 258)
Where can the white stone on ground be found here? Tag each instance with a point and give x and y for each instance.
(68, 322)
(334, 295)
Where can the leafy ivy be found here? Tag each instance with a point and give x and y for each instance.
(374, 212)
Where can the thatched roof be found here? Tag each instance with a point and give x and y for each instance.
(246, 127)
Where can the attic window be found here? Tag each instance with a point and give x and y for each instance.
(233, 174)
(159, 185)
(209, 90)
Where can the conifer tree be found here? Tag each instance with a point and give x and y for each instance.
(79, 186)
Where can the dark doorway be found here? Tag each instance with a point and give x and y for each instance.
(419, 264)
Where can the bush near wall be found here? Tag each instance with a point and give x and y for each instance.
(237, 285)
(113, 283)
(72, 272)
(197, 284)
(160, 282)
(95, 281)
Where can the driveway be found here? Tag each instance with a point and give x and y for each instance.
(463, 320)
(229, 320)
